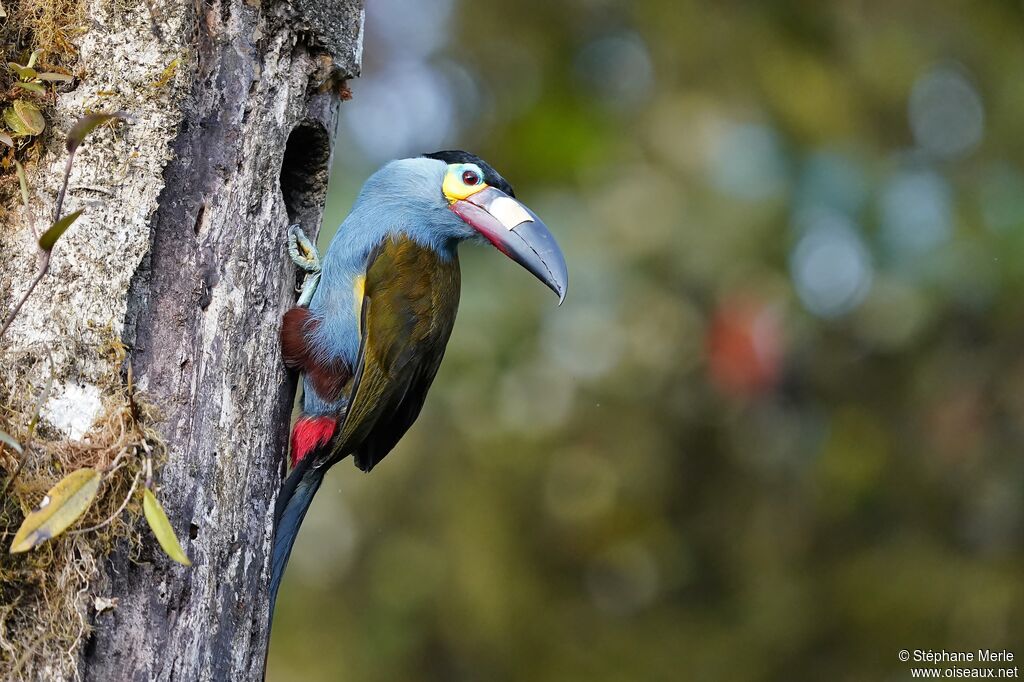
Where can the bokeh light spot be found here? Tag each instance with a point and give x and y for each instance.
(832, 180)
(747, 162)
(831, 267)
(624, 579)
(745, 346)
(411, 28)
(916, 213)
(616, 70)
(946, 112)
(401, 111)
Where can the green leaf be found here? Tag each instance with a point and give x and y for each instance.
(24, 118)
(86, 125)
(8, 440)
(30, 114)
(6, 139)
(33, 57)
(55, 77)
(61, 507)
(23, 181)
(33, 87)
(57, 230)
(26, 72)
(15, 123)
(157, 520)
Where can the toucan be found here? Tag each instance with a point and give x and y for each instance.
(375, 313)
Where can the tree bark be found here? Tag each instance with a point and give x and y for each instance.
(186, 261)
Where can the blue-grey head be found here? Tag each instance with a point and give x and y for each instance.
(448, 197)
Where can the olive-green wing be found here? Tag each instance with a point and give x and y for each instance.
(411, 295)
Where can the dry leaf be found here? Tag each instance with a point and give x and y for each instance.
(8, 440)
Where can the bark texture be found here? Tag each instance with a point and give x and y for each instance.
(185, 259)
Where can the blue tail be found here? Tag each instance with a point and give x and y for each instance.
(296, 496)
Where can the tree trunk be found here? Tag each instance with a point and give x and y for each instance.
(186, 261)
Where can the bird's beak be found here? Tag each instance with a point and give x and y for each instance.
(518, 233)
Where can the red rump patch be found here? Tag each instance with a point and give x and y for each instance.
(310, 433)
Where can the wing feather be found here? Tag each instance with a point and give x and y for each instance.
(409, 305)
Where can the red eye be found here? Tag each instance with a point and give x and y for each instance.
(470, 178)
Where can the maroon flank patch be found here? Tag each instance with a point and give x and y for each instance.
(328, 378)
(310, 433)
(294, 335)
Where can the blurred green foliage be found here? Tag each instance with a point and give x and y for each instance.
(774, 431)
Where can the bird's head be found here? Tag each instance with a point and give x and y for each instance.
(466, 199)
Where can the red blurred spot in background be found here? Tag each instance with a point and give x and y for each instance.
(744, 347)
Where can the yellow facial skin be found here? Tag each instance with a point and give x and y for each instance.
(455, 188)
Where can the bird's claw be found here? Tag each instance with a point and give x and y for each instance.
(302, 250)
(304, 254)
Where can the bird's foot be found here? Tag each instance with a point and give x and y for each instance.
(304, 254)
(302, 249)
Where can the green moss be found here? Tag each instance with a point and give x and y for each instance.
(48, 28)
(44, 595)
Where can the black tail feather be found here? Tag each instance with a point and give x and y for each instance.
(292, 503)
